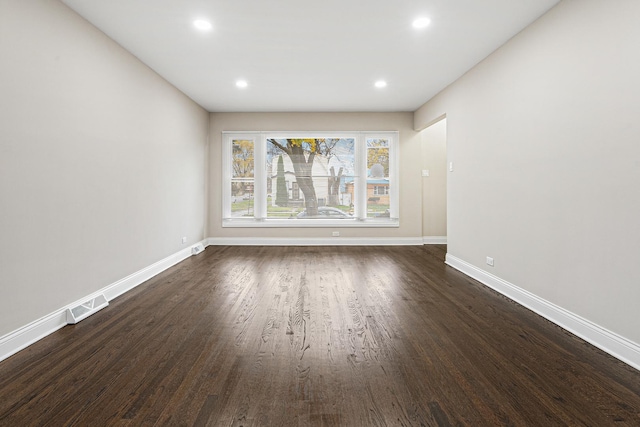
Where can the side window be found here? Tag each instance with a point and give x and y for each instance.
(378, 161)
(242, 178)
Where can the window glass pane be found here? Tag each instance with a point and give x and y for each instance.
(310, 178)
(377, 178)
(242, 178)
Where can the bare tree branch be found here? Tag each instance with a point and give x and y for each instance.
(277, 144)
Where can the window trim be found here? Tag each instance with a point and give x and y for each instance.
(260, 184)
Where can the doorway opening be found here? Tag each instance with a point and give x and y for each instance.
(434, 183)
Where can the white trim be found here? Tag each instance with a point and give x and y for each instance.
(260, 174)
(23, 337)
(434, 240)
(617, 346)
(124, 285)
(315, 241)
(310, 223)
(360, 180)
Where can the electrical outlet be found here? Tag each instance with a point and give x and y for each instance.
(490, 261)
(184, 240)
(336, 234)
(425, 172)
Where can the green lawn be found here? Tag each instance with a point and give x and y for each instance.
(245, 205)
(375, 210)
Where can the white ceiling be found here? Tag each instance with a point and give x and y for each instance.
(303, 55)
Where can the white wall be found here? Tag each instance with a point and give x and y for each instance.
(102, 162)
(545, 139)
(410, 165)
(434, 187)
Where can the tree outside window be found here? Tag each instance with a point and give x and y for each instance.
(314, 166)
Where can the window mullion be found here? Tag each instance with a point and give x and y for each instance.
(260, 177)
(226, 174)
(394, 174)
(360, 203)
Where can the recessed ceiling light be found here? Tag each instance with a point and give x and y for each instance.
(421, 22)
(242, 84)
(380, 84)
(201, 24)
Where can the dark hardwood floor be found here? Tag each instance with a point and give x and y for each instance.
(351, 336)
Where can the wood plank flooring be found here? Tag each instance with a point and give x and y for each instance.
(322, 336)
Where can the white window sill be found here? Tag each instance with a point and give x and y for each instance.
(311, 223)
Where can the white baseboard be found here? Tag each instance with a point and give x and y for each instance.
(617, 346)
(23, 337)
(123, 285)
(315, 241)
(434, 240)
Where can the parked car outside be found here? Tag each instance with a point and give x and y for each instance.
(326, 212)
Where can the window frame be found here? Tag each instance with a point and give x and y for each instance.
(360, 219)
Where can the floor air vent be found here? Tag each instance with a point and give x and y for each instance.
(197, 249)
(86, 309)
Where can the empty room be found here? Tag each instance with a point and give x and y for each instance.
(338, 213)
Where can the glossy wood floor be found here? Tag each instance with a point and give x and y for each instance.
(286, 336)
